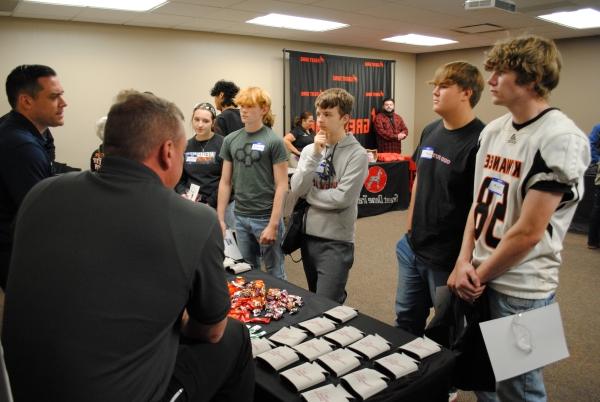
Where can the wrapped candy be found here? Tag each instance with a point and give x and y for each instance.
(253, 302)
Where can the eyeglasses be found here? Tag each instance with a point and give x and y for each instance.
(206, 106)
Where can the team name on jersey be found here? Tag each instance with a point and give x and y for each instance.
(503, 165)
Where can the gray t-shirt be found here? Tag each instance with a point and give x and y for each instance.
(253, 156)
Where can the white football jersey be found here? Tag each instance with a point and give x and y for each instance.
(550, 154)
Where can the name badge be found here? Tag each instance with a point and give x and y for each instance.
(427, 153)
(497, 186)
(257, 146)
(321, 167)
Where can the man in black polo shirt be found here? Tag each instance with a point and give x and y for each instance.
(26, 145)
(111, 268)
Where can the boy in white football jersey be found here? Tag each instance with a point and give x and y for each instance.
(528, 181)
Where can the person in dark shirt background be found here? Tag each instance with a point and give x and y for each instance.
(202, 163)
(27, 149)
(301, 135)
(229, 120)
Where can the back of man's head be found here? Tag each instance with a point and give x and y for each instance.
(533, 59)
(140, 123)
(229, 90)
(333, 97)
(24, 79)
(464, 75)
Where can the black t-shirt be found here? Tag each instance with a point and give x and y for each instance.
(202, 166)
(103, 265)
(302, 138)
(228, 121)
(445, 167)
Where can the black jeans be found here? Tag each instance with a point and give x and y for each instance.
(222, 371)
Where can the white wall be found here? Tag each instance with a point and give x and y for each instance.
(577, 94)
(95, 61)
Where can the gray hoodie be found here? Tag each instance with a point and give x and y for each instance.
(333, 199)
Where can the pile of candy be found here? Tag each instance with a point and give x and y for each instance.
(252, 302)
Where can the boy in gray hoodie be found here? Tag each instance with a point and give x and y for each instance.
(330, 174)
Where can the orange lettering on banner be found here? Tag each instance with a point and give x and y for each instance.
(358, 126)
(317, 60)
(345, 78)
(374, 64)
(378, 94)
(310, 93)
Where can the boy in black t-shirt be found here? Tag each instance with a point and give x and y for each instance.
(441, 194)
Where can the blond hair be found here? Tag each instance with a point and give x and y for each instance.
(464, 75)
(255, 96)
(534, 59)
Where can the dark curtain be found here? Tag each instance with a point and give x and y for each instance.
(367, 79)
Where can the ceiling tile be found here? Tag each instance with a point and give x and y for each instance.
(39, 10)
(186, 10)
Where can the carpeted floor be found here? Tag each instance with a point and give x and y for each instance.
(372, 289)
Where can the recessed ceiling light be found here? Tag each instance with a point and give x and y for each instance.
(128, 5)
(419, 40)
(291, 22)
(580, 19)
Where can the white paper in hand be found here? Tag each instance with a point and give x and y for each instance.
(231, 248)
(523, 342)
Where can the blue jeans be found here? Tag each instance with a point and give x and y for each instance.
(529, 386)
(416, 288)
(247, 231)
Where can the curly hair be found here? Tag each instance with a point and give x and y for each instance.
(229, 90)
(534, 59)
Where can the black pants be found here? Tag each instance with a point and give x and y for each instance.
(221, 371)
(326, 266)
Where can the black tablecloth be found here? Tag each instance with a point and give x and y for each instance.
(385, 189)
(430, 383)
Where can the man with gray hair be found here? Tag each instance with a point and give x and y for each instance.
(139, 268)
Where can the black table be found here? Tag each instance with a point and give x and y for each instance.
(385, 189)
(430, 383)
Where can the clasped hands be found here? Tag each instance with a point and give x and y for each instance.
(464, 282)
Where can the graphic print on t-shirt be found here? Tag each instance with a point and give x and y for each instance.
(250, 153)
(202, 158)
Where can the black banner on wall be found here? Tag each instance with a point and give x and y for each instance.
(369, 80)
